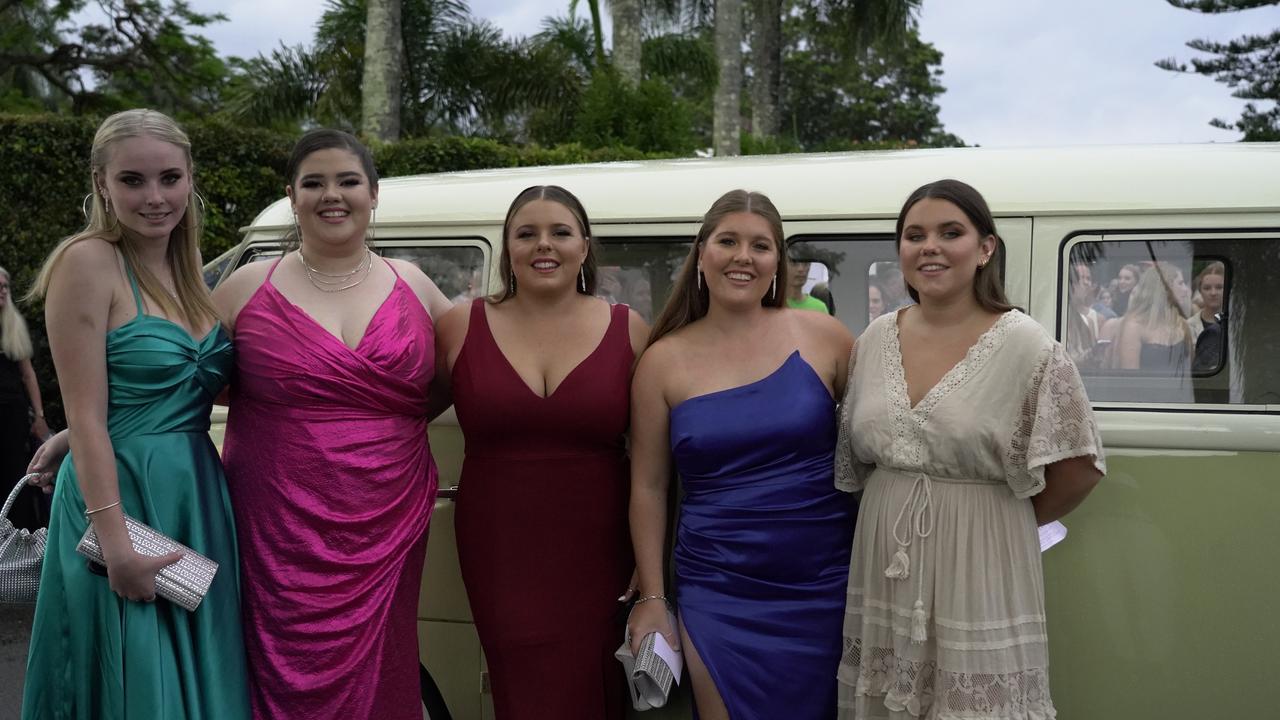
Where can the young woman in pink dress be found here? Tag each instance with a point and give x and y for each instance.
(332, 481)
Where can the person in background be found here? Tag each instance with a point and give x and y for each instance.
(1153, 336)
(540, 376)
(966, 425)
(797, 298)
(331, 475)
(1083, 325)
(1126, 280)
(21, 407)
(735, 393)
(1103, 304)
(1209, 284)
(875, 300)
(140, 356)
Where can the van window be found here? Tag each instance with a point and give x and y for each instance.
(855, 276)
(641, 272)
(1187, 319)
(458, 270)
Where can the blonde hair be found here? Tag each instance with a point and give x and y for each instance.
(1153, 303)
(15, 340)
(193, 302)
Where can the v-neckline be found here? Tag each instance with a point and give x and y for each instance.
(975, 355)
(325, 331)
(515, 373)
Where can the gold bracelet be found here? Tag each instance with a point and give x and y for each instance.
(87, 513)
(663, 598)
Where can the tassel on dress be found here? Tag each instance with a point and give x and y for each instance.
(900, 568)
(918, 619)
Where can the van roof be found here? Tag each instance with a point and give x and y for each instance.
(870, 184)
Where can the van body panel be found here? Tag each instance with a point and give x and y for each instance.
(1159, 598)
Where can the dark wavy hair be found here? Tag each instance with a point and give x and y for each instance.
(556, 194)
(988, 287)
(688, 302)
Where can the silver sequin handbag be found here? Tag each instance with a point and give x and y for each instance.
(183, 583)
(21, 555)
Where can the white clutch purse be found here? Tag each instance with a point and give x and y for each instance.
(650, 675)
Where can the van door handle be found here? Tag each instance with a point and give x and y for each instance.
(449, 493)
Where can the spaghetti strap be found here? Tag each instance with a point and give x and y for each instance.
(390, 265)
(133, 283)
(272, 270)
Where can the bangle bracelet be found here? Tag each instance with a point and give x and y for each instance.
(663, 598)
(88, 513)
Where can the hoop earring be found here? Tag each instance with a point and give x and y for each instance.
(773, 291)
(698, 277)
(200, 199)
(582, 276)
(84, 206)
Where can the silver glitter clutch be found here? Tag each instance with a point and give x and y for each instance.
(21, 555)
(183, 583)
(649, 676)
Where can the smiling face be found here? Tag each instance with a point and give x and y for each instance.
(147, 182)
(332, 198)
(1125, 280)
(1211, 288)
(547, 247)
(940, 250)
(739, 259)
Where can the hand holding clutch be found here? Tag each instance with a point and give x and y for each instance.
(651, 672)
(183, 583)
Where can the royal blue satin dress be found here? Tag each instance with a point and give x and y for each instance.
(762, 545)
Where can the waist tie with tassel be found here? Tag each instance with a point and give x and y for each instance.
(917, 512)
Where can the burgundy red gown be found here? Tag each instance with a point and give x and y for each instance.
(332, 484)
(542, 525)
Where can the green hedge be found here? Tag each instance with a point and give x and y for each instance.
(239, 171)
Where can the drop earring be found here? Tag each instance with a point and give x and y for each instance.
(582, 277)
(773, 292)
(511, 287)
(698, 277)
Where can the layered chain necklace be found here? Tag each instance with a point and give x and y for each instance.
(337, 282)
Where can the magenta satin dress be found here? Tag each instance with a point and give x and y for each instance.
(332, 484)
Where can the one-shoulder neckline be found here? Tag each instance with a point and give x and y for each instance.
(795, 355)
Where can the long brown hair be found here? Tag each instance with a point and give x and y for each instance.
(988, 287)
(556, 194)
(193, 302)
(688, 301)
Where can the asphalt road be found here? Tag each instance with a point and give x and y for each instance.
(15, 632)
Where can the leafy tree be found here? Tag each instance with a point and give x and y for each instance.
(836, 100)
(1249, 65)
(143, 52)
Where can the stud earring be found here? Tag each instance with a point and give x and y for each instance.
(582, 277)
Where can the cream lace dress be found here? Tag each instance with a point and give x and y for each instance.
(945, 616)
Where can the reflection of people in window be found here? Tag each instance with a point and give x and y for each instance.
(1209, 284)
(1153, 335)
(1082, 319)
(1126, 281)
(796, 296)
(875, 301)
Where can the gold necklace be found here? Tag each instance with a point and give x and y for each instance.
(337, 282)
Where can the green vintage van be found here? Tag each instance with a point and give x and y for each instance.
(1161, 600)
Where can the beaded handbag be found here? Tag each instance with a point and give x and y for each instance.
(183, 583)
(21, 555)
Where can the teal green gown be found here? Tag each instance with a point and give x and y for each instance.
(93, 654)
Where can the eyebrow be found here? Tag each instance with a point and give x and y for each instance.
(342, 175)
(944, 223)
(138, 172)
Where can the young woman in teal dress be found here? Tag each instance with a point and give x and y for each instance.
(140, 356)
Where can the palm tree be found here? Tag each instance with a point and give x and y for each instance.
(628, 37)
(726, 123)
(861, 22)
(380, 92)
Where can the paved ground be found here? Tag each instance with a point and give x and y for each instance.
(15, 631)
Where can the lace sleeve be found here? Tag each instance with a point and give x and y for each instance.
(1056, 423)
(851, 475)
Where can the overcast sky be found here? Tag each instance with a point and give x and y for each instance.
(1017, 72)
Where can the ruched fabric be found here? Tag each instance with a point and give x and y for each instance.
(762, 544)
(93, 654)
(333, 484)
